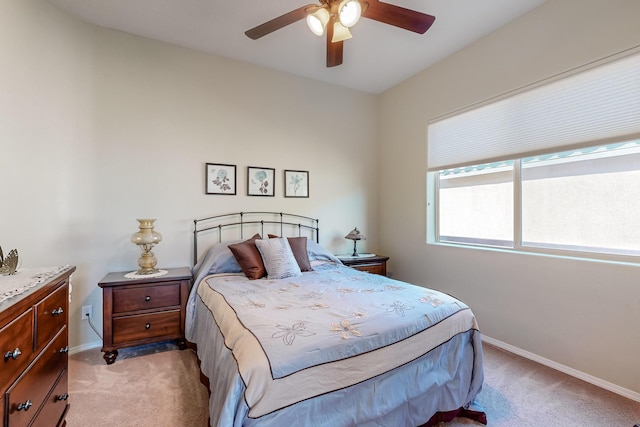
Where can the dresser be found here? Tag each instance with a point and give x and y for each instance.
(376, 264)
(34, 345)
(143, 310)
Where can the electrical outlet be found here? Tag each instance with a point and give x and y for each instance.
(87, 312)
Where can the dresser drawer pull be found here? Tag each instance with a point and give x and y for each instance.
(62, 397)
(147, 298)
(64, 349)
(57, 311)
(147, 326)
(12, 354)
(24, 406)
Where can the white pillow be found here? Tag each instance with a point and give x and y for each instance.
(278, 258)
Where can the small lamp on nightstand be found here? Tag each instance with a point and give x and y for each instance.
(146, 239)
(355, 235)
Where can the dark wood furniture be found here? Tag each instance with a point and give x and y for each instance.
(143, 310)
(34, 345)
(371, 264)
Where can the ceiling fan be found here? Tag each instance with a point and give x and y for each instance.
(335, 17)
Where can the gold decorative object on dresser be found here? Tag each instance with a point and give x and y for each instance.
(34, 343)
(143, 309)
(371, 263)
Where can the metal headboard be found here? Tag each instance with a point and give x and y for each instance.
(285, 222)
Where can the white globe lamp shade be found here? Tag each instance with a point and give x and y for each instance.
(349, 12)
(317, 21)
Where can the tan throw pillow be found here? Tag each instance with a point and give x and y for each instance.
(299, 248)
(249, 258)
(278, 258)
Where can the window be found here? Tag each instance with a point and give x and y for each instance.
(585, 200)
(551, 167)
(475, 204)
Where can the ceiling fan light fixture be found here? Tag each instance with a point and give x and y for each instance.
(340, 33)
(349, 12)
(317, 21)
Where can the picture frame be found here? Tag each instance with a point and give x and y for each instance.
(260, 181)
(296, 183)
(220, 178)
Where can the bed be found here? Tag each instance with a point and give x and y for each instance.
(302, 340)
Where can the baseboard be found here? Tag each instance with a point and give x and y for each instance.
(83, 347)
(630, 394)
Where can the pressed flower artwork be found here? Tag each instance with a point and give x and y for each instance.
(260, 181)
(220, 179)
(296, 183)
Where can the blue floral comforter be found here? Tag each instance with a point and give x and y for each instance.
(298, 338)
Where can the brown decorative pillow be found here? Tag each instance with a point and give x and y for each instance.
(299, 249)
(249, 258)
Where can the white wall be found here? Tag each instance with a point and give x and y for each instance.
(98, 128)
(580, 314)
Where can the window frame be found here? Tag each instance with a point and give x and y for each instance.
(434, 238)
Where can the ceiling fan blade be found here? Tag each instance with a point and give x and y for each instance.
(397, 16)
(277, 23)
(334, 49)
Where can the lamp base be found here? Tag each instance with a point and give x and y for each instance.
(147, 262)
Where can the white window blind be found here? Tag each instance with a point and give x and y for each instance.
(598, 104)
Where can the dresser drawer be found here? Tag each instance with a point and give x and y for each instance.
(51, 315)
(16, 337)
(146, 297)
(55, 406)
(144, 326)
(34, 385)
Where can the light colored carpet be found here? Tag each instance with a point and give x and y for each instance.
(155, 385)
(159, 386)
(520, 393)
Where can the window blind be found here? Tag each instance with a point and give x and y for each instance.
(595, 105)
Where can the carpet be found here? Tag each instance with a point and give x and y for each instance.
(155, 385)
(158, 385)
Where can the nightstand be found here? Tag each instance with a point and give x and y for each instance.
(143, 310)
(376, 264)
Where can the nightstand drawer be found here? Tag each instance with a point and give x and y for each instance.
(134, 328)
(374, 264)
(146, 297)
(373, 268)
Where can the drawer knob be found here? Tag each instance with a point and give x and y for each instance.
(147, 298)
(24, 406)
(62, 397)
(64, 349)
(147, 326)
(12, 354)
(57, 311)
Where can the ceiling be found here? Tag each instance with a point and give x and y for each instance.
(377, 58)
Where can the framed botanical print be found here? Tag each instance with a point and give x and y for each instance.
(296, 183)
(220, 179)
(260, 181)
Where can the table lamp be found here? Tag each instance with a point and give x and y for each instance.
(355, 235)
(146, 239)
